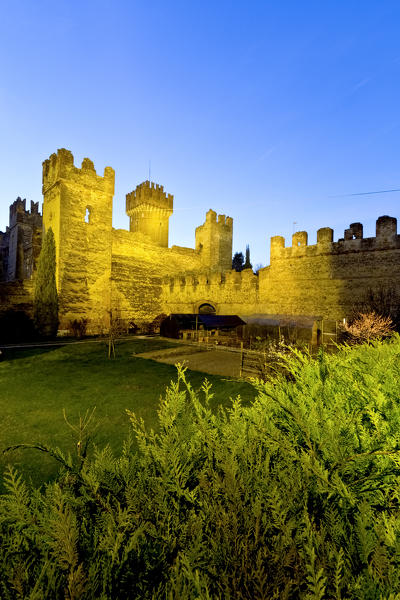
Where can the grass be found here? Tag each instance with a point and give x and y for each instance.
(38, 384)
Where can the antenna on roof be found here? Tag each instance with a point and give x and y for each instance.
(149, 170)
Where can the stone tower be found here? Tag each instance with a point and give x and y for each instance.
(77, 205)
(149, 209)
(214, 242)
(21, 242)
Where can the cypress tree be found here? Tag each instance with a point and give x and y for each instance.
(247, 264)
(45, 295)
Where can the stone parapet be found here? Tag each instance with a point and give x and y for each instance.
(61, 166)
(353, 241)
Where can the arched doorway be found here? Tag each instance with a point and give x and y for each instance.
(207, 309)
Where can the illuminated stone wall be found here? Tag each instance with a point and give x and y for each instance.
(138, 267)
(137, 276)
(100, 269)
(214, 241)
(149, 209)
(325, 279)
(330, 278)
(77, 205)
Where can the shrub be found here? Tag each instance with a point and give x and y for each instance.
(78, 327)
(296, 496)
(365, 327)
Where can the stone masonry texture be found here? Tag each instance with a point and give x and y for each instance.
(135, 276)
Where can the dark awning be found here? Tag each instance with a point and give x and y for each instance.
(188, 321)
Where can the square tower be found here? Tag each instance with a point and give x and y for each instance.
(77, 205)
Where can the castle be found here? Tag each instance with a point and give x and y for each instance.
(136, 276)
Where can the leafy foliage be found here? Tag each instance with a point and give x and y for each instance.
(45, 294)
(296, 496)
(238, 261)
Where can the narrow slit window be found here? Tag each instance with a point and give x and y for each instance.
(88, 214)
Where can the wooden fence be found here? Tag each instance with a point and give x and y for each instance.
(257, 363)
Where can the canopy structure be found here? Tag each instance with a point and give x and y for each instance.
(175, 323)
(299, 328)
(263, 319)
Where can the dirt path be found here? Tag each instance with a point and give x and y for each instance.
(216, 362)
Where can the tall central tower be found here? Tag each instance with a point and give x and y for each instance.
(149, 209)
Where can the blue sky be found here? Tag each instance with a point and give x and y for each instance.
(270, 112)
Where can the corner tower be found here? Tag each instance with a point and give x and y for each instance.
(149, 209)
(77, 205)
(214, 242)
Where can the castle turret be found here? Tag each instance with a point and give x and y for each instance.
(77, 205)
(214, 241)
(149, 209)
(20, 244)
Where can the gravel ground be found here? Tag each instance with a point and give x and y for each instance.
(216, 362)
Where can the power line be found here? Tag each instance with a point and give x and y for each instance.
(365, 193)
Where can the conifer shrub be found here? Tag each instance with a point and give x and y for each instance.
(45, 302)
(296, 496)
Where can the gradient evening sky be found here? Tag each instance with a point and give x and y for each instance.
(270, 112)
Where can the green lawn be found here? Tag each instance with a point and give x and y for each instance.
(37, 384)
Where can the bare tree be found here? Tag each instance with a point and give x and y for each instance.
(366, 327)
(383, 300)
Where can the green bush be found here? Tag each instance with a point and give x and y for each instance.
(296, 496)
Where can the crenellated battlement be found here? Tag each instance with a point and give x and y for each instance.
(20, 244)
(19, 214)
(149, 196)
(149, 209)
(61, 166)
(214, 241)
(210, 282)
(222, 221)
(353, 241)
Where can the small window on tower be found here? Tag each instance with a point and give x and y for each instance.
(88, 214)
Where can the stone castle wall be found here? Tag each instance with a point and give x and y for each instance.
(135, 275)
(138, 267)
(17, 296)
(230, 292)
(77, 205)
(100, 269)
(326, 279)
(330, 278)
